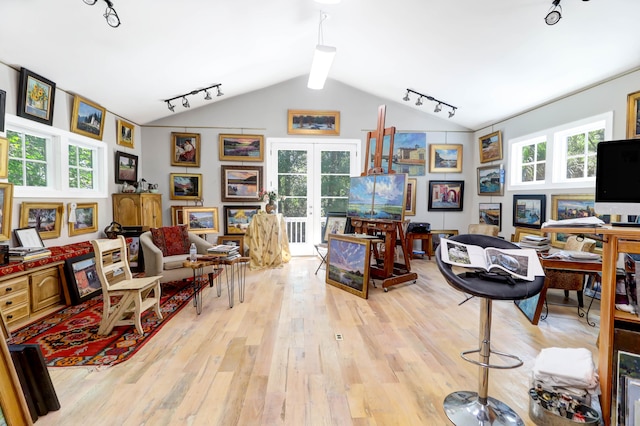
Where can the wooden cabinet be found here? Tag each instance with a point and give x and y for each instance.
(45, 289)
(144, 209)
(14, 299)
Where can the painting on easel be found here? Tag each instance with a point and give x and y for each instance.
(380, 197)
(408, 153)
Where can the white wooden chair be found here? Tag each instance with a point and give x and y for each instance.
(136, 295)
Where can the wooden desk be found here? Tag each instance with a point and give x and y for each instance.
(423, 237)
(616, 241)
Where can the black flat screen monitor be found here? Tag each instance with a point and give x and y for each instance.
(618, 177)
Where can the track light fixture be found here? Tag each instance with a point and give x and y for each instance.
(185, 101)
(555, 13)
(439, 103)
(110, 13)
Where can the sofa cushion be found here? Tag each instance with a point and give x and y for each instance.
(171, 240)
(173, 262)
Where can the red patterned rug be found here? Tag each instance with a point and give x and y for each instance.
(69, 337)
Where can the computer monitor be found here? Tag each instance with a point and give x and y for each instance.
(618, 177)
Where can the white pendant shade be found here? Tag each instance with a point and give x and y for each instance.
(322, 60)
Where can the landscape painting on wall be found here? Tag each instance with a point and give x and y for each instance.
(379, 197)
(409, 153)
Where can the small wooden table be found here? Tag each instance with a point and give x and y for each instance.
(421, 236)
(198, 277)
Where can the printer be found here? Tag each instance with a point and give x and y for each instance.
(419, 228)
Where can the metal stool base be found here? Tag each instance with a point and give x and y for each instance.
(464, 409)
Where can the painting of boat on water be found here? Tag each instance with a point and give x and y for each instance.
(491, 214)
(491, 180)
(379, 197)
(445, 158)
(529, 210)
(348, 264)
(409, 154)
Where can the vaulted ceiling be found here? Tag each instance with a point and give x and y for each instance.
(490, 58)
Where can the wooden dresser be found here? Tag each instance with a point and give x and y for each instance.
(138, 209)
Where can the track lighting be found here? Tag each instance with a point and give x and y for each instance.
(439, 103)
(185, 101)
(555, 13)
(322, 59)
(110, 13)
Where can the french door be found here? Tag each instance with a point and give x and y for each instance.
(314, 176)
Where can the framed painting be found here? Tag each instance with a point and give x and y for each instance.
(529, 211)
(532, 306)
(185, 186)
(28, 237)
(4, 158)
(232, 240)
(335, 224)
(6, 207)
(201, 220)
(177, 215)
(241, 147)
(410, 202)
(445, 158)
(633, 115)
(627, 369)
(136, 257)
(237, 218)
(446, 195)
(86, 218)
(408, 152)
(241, 183)
(3, 108)
(87, 118)
(82, 278)
(520, 233)
(307, 122)
(125, 133)
(185, 149)
(441, 233)
(572, 206)
(126, 167)
(36, 97)
(490, 214)
(491, 147)
(46, 218)
(348, 264)
(491, 180)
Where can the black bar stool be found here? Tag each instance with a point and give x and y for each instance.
(477, 408)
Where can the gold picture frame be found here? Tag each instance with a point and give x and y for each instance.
(125, 133)
(490, 147)
(520, 233)
(4, 158)
(633, 115)
(6, 207)
(201, 220)
(46, 218)
(185, 149)
(241, 147)
(87, 118)
(86, 218)
(185, 186)
(410, 203)
(445, 158)
(176, 215)
(309, 122)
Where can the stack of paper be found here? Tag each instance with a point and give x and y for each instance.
(224, 251)
(535, 242)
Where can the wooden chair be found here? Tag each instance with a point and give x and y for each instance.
(136, 295)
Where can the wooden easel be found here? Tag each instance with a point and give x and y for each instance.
(385, 268)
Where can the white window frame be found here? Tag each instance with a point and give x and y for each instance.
(556, 162)
(58, 162)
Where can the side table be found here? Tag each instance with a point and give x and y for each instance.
(198, 277)
(423, 237)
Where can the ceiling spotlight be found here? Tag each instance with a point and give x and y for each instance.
(185, 102)
(90, 2)
(555, 13)
(171, 107)
(207, 95)
(419, 101)
(452, 112)
(406, 97)
(219, 91)
(111, 16)
(438, 108)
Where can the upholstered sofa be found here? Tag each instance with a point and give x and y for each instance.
(165, 249)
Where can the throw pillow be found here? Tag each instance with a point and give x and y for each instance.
(171, 240)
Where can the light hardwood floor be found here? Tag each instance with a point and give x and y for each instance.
(274, 359)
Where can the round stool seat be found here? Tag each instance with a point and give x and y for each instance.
(478, 284)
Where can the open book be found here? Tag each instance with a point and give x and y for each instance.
(520, 263)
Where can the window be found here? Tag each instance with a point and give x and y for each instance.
(48, 162)
(573, 163)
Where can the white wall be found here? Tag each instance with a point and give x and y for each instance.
(265, 112)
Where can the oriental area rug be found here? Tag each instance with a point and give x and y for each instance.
(69, 337)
